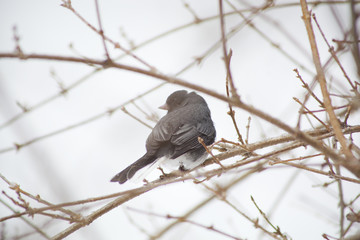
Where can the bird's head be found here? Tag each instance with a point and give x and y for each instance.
(175, 100)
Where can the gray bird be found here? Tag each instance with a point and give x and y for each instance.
(175, 136)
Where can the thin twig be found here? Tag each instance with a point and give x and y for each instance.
(136, 118)
(311, 113)
(249, 23)
(37, 198)
(227, 56)
(220, 193)
(229, 78)
(307, 96)
(341, 203)
(117, 202)
(295, 159)
(305, 85)
(115, 44)
(331, 50)
(203, 203)
(18, 146)
(231, 112)
(101, 30)
(248, 130)
(277, 228)
(201, 141)
(193, 13)
(355, 34)
(211, 228)
(37, 229)
(322, 110)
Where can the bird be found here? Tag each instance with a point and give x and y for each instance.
(175, 136)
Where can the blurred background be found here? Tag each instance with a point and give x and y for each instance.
(74, 147)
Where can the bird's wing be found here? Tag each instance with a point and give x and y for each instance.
(186, 138)
(207, 131)
(181, 131)
(162, 132)
(185, 134)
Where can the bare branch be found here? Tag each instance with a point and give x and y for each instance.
(350, 162)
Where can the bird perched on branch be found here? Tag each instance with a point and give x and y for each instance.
(175, 137)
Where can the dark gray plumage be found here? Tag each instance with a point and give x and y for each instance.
(176, 134)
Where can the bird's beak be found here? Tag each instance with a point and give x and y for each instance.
(164, 107)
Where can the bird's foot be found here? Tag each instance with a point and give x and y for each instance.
(182, 168)
(164, 175)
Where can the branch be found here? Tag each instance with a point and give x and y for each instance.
(113, 204)
(350, 162)
(181, 219)
(296, 133)
(101, 31)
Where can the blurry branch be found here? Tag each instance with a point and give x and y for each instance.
(305, 85)
(248, 130)
(311, 113)
(184, 220)
(134, 117)
(276, 24)
(307, 96)
(49, 99)
(192, 11)
(227, 56)
(277, 228)
(108, 112)
(153, 116)
(204, 202)
(56, 207)
(36, 228)
(350, 162)
(355, 35)
(16, 38)
(24, 204)
(341, 203)
(333, 54)
(263, 35)
(135, 223)
(67, 4)
(101, 30)
(220, 192)
(115, 203)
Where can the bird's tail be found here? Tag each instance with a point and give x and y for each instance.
(130, 171)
